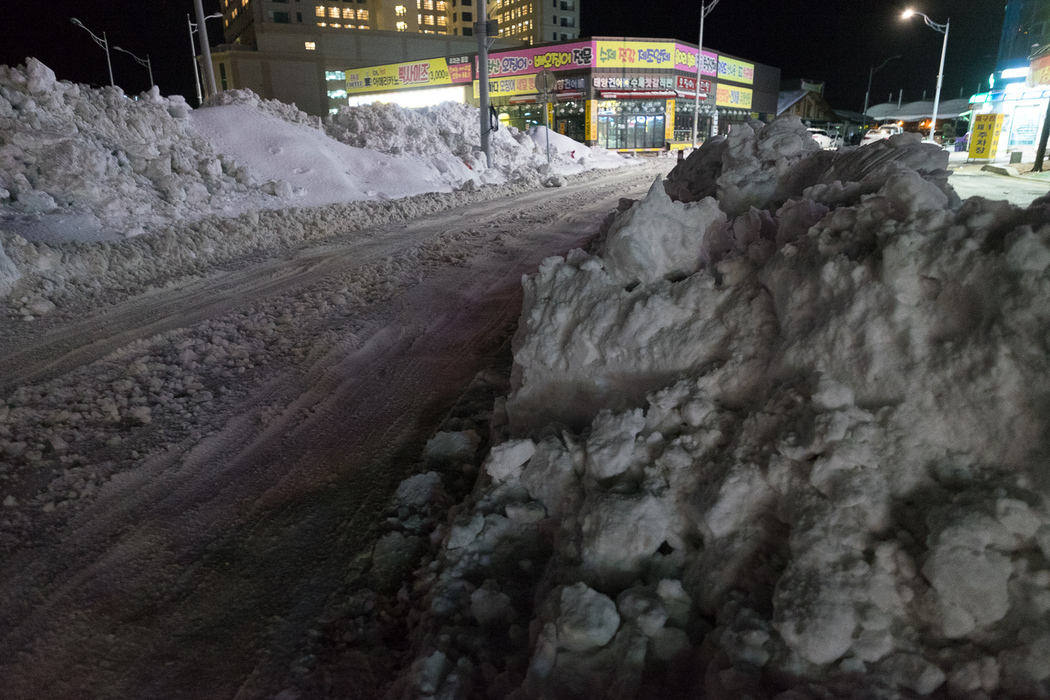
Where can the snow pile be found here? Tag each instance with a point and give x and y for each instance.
(447, 135)
(275, 108)
(128, 163)
(794, 449)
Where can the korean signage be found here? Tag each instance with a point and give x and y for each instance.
(984, 137)
(642, 82)
(669, 121)
(685, 59)
(394, 76)
(507, 87)
(732, 96)
(687, 85)
(555, 58)
(736, 71)
(634, 54)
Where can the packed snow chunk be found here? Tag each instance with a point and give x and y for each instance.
(9, 273)
(505, 461)
(452, 446)
(658, 237)
(620, 532)
(913, 672)
(644, 608)
(39, 78)
(587, 619)
(912, 196)
(490, 606)
(815, 616)
(1030, 252)
(550, 476)
(419, 490)
(611, 445)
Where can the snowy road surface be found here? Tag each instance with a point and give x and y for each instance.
(1018, 191)
(190, 471)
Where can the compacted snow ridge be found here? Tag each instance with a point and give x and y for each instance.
(781, 433)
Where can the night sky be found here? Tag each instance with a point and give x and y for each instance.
(837, 42)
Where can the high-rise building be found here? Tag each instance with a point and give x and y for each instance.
(1025, 28)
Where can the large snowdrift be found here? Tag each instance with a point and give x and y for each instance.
(93, 165)
(784, 433)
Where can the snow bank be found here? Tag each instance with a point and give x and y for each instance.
(794, 446)
(122, 163)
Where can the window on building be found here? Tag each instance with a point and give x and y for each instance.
(442, 6)
(222, 75)
(468, 16)
(402, 26)
(428, 5)
(299, 17)
(453, 16)
(400, 10)
(282, 18)
(466, 3)
(319, 11)
(442, 22)
(311, 45)
(429, 19)
(468, 31)
(333, 12)
(362, 14)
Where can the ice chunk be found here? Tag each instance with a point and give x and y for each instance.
(505, 461)
(588, 619)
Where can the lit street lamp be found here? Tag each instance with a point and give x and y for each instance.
(193, 52)
(138, 60)
(704, 9)
(101, 42)
(943, 29)
(871, 74)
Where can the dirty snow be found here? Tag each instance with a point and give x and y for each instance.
(782, 433)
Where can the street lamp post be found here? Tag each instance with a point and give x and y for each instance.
(943, 29)
(871, 74)
(704, 9)
(103, 42)
(202, 36)
(138, 60)
(193, 54)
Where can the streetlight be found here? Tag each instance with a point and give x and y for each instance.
(871, 74)
(943, 29)
(101, 42)
(202, 35)
(704, 9)
(193, 52)
(138, 60)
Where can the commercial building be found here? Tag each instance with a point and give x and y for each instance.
(617, 92)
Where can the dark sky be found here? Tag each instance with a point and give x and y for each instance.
(837, 42)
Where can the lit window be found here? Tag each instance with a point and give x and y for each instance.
(402, 26)
(429, 19)
(244, 3)
(428, 5)
(419, 19)
(319, 11)
(337, 26)
(234, 15)
(400, 11)
(348, 14)
(321, 24)
(311, 46)
(226, 22)
(419, 4)
(441, 20)
(333, 12)
(441, 6)
(362, 14)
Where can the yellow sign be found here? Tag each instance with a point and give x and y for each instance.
(1039, 71)
(669, 121)
(634, 54)
(505, 87)
(550, 114)
(984, 136)
(394, 76)
(590, 121)
(737, 71)
(732, 96)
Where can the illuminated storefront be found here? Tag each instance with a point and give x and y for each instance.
(1022, 103)
(623, 94)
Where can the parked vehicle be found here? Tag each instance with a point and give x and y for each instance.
(882, 132)
(822, 137)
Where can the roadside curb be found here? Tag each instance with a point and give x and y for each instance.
(1001, 170)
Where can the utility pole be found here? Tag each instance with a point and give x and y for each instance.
(871, 74)
(202, 34)
(481, 29)
(196, 71)
(704, 9)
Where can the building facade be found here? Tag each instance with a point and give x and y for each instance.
(1025, 28)
(616, 92)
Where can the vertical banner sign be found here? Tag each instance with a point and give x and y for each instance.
(669, 122)
(590, 121)
(984, 139)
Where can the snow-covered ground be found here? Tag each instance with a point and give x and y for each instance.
(778, 430)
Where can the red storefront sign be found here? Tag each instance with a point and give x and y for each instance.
(685, 84)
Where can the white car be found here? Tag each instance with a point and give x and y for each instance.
(823, 138)
(880, 133)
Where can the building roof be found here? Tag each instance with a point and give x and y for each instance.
(916, 111)
(786, 98)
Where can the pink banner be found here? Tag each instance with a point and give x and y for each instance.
(555, 58)
(685, 59)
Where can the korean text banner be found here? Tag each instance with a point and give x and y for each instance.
(634, 54)
(984, 136)
(1039, 71)
(434, 71)
(737, 71)
(685, 59)
(555, 58)
(732, 96)
(506, 87)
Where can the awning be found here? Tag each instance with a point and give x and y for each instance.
(636, 95)
(692, 95)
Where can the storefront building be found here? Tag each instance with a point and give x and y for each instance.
(618, 93)
(1021, 96)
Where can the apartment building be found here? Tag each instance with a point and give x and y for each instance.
(242, 18)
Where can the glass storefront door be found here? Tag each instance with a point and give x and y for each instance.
(631, 124)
